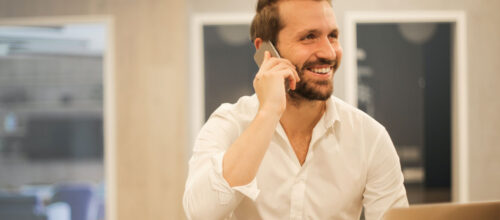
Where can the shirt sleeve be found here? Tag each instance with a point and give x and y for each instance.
(384, 187)
(207, 194)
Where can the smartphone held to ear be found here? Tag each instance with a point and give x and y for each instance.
(259, 53)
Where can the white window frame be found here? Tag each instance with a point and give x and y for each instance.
(459, 109)
(109, 102)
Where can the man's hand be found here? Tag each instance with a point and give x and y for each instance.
(269, 83)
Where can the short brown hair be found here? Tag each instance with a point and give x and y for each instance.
(266, 24)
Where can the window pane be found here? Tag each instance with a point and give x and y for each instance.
(229, 64)
(51, 136)
(404, 82)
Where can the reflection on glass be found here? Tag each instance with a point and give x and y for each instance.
(404, 82)
(51, 133)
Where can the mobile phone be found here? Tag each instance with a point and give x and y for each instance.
(259, 53)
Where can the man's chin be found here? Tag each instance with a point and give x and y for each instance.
(311, 94)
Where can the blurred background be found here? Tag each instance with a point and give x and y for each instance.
(51, 141)
(100, 99)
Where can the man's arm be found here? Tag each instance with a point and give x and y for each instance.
(384, 186)
(215, 173)
(242, 160)
(207, 195)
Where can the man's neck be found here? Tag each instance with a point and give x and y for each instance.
(301, 116)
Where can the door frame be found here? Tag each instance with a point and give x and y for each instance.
(109, 101)
(459, 88)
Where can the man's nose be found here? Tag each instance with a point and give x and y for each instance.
(326, 50)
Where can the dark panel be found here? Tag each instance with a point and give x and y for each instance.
(63, 138)
(397, 96)
(404, 83)
(437, 54)
(229, 66)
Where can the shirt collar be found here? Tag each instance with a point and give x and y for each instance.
(328, 120)
(331, 113)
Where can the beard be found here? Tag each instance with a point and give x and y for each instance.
(312, 89)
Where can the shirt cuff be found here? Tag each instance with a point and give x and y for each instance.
(226, 192)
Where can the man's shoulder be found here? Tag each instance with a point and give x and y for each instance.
(245, 108)
(348, 114)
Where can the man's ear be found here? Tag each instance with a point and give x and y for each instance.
(257, 42)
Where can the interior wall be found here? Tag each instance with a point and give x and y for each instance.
(150, 70)
(483, 52)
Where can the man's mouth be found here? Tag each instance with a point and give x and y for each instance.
(320, 70)
(321, 67)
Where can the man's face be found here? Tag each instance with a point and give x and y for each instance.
(309, 39)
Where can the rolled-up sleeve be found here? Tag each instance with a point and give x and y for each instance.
(207, 194)
(384, 187)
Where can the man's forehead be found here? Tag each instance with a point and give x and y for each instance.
(306, 14)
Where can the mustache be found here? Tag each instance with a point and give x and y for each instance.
(320, 61)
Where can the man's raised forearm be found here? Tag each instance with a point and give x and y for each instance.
(243, 158)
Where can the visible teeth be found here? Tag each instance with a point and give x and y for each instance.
(321, 70)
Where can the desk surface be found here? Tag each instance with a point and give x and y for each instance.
(445, 211)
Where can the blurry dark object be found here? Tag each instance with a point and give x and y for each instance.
(10, 96)
(63, 137)
(20, 207)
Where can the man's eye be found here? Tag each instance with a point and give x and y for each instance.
(309, 37)
(333, 35)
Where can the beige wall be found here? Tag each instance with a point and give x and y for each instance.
(150, 43)
(483, 32)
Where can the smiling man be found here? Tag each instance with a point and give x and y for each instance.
(296, 154)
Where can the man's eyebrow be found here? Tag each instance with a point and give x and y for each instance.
(307, 31)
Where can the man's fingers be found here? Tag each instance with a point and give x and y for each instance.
(291, 73)
(295, 74)
(288, 74)
(289, 62)
(293, 68)
(293, 80)
(279, 66)
(270, 62)
(297, 77)
(267, 55)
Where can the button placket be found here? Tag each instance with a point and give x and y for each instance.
(298, 196)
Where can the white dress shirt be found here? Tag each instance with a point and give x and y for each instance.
(351, 163)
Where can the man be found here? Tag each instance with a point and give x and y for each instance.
(297, 154)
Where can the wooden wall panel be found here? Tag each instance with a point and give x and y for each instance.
(151, 166)
(150, 77)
